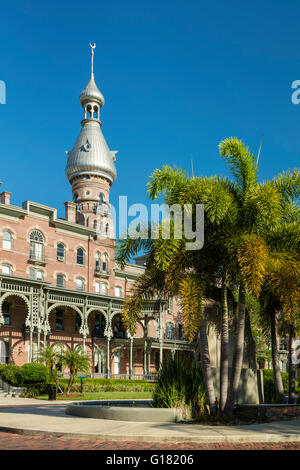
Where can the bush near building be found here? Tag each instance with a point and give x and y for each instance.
(269, 385)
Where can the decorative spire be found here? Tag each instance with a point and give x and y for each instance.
(91, 97)
(92, 60)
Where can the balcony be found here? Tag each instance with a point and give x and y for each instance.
(100, 273)
(102, 209)
(37, 258)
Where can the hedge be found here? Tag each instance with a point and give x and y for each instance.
(110, 385)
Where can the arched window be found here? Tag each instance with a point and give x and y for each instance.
(36, 245)
(75, 197)
(80, 256)
(7, 240)
(95, 224)
(6, 313)
(60, 280)
(101, 288)
(61, 250)
(98, 261)
(106, 229)
(79, 284)
(4, 356)
(99, 362)
(36, 274)
(101, 198)
(7, 269)
(105, 263)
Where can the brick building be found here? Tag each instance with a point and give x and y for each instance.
(59, 282)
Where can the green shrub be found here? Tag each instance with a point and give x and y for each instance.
(35, 373)
(269, 385)
(12, 374)
(110, 385)
(180, 383)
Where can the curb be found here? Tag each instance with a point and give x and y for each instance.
(267, 437)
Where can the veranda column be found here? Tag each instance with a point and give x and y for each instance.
(145, 358)
(30, 344)
(130, 357)
(108, 357)
(161, 333)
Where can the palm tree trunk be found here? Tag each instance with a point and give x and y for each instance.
(224, 350)
(275, 362)
(292, 366)
(238, 354)
(206, 368)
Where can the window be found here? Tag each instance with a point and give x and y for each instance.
(36, 245)
(99, 322)
(80, 256)
(95, 224)
(7, 240)
(4, 356)
(101, 288)
(75, 198)
(79, 284)
(6, 313)
(60, 280)
(6, 269)
(105, 263)
(98, 261)
(36, 274)
(101, 198)
(169, 330)
(106, 229)
(59, 319)
(180, 332)
(118, 291)
(61, 252)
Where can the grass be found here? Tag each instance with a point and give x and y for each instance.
(102, 396)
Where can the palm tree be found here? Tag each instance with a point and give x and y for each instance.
(75, 360)
(48, 356)
(238, 214)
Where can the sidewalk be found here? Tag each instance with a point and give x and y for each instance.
(37, 417)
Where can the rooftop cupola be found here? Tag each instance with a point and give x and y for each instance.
(91, 98)
(91, 156)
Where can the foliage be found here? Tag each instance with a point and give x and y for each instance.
(76, 360)
(180, 383)
(269, 385)
(34, 373)
(110, 385)
(12, 374)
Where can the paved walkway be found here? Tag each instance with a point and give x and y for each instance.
(48, 418)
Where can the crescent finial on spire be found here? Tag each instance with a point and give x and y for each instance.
(92, 54)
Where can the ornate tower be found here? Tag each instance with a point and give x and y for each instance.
(91, 165)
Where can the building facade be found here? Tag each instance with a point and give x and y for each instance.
(59, 282)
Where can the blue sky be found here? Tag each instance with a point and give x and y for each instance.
(178, 77)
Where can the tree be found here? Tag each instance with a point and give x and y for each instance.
(50, 358)
(238, 215)
(75, 360)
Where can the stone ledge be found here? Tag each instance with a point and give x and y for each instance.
(269, 412)
(12, 390)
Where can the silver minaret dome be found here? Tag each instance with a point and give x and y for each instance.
(91, 154)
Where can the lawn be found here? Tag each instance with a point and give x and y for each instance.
(101, 396)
